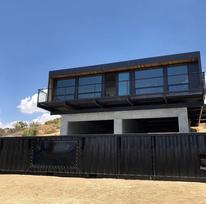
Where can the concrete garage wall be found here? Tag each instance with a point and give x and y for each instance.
(119, 116)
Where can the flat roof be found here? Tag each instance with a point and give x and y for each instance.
(130, 64)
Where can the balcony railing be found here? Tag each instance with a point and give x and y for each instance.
(179, 83)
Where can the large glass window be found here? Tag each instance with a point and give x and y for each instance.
(123, 83)
(90, 87)
(149, 81)
(178, 78)
(65, 89)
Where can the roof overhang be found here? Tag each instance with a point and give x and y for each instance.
(127, 65)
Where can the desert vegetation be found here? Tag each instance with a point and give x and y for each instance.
(21, 128)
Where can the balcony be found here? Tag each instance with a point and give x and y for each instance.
(141, 92)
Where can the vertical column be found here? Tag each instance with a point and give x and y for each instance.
(64, 126)
(183, 121)
(117, 126)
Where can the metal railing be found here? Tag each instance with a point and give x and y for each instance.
(178, 83)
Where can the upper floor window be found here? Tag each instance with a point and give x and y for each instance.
(178, 78)
(65, 89)
(149, 81)
(90, 87)
(123, 83)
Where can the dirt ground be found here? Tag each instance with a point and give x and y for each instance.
(20, 189)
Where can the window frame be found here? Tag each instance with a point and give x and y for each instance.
(88, 76)
(148, 78)
(176, 75)
(128, 84)
(55, 95)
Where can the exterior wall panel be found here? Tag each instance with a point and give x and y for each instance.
(136, 155)
(99, 155)
(14, 154)
(177, 155)
(153, 156)
(195, 77)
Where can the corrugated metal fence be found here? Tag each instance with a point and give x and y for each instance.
(152, 156)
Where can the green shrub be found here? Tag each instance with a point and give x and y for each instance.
(32, 131)
(20, 125)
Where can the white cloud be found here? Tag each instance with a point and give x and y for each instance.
(7, 125)
(45, 117)
(29, 105)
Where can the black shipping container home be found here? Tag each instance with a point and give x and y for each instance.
(125, 119)
(158, 94)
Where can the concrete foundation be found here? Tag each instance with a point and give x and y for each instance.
(119, 116)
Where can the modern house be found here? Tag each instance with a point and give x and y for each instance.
(158, 94)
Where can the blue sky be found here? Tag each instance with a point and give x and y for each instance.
(42, 35)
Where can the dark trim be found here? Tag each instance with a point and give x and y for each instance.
(165, 75)
(153, 61)
(132, 83)
(116, 83)
(139, 107)
(103, 85)
(76, 87)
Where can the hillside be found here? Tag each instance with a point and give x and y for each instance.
(20, 128)
(51, 128)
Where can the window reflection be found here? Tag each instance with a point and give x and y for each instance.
(178, 78)
(65, 89)
(149, 81)
(90, 87)
(123, 84)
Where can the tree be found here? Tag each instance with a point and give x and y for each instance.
(20, 125)
(2, 132)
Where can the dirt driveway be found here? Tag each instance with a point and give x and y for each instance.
(48, 190)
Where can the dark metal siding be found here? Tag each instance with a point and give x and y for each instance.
(99, 155)
(195, 77)
(177, 155)
(154, 156)
(14, 154)
(136, 155)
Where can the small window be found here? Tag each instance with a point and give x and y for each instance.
(65, 89)
(178, 78)
(90, 87)
(123, 84)
(149, 81)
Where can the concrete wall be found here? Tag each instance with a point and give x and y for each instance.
(118, 116)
